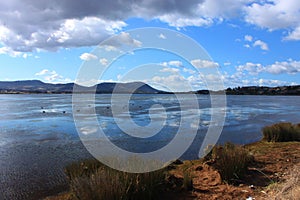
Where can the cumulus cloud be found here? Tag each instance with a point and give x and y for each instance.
(10, 52)
(251, 68)
(175, 63)
(284, 67)
(190, 71)
(289, 67)
(179, 22)
(174, 82)
(247, 46)
(257, 43)
(51, 76)
(103, 61)
(88, 56)
(198, 63)
(248, 38)
(294, 35)
(261, 44)
(275, 14)
(122, 39)
(170, 70)
(33, 25)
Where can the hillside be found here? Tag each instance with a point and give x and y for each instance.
(36, 86)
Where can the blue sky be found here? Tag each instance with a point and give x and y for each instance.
(250, 42)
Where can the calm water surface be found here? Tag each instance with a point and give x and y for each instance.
(38, 134)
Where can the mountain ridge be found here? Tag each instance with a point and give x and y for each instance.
(37, 86)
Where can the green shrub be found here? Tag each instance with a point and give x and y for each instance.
(281, 132)
(231, 161)
(90, 180)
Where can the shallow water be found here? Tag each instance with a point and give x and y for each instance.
(38, 134)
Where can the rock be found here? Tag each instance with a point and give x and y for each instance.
(199, 168)
(177, 162)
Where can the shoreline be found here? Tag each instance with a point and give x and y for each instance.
(272, 167)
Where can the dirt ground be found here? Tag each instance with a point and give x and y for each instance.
(273, 175)
(273, 167)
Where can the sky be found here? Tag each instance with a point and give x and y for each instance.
(249, 42)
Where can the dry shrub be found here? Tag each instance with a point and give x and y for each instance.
(90, 180)
(231, 161)
(281, 132)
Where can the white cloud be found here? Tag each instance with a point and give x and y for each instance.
(43, 72)
(88, 56)
(275, 14)
(289, 67)
(176, 63)
(174, 82)
(294, 35)
(269, 82)
(49, 25)
(261, 44)
(52, 76)
(252, 68)
(117, 42)
(10, 52)
(284, 67)
(162, 36)
(190, 71)
(247, 46)
(248, 38)
(103, 61)
(204, 64)
(122, 39)
(181, 21)
(170, 70)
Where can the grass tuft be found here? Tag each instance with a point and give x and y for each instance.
(187, 181)
(281, 132)
(231, 161)
(91, 180)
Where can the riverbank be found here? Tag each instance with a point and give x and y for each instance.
(272, 173)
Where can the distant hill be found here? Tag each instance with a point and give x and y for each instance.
(256, 90)
(36, 86)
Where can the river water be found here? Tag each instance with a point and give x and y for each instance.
(39, 136)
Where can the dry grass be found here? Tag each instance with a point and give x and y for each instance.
(288, 190)
(281, 132)
(90, 180)
(231, 161)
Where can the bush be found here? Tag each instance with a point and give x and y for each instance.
(231, 161)
(187, 180)
(90, 180)
(281, 132)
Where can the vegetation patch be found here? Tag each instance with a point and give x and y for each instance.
(231, 161)
(91, 180)
(281, 132)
